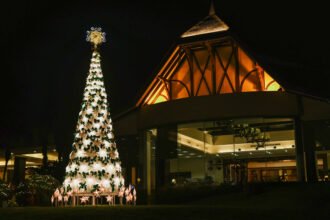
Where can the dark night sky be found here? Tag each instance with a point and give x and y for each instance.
(46, 58)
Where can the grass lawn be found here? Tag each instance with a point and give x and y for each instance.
(163, 212)
(299, 202)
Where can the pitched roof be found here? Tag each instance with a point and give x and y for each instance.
(210, 24)
(212, 27)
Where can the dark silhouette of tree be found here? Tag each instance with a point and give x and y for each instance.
(44, 150)
(7, 158)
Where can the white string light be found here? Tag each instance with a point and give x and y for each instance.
(94, 133)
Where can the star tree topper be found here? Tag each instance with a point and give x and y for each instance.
(95, 36)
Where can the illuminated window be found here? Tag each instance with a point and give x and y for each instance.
(216, 68)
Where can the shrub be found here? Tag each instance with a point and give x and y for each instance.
(23, 195)
(5, 191)
(36, 190)
(41, 188)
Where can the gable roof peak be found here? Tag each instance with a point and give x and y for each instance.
(210, 24)
(212, 9)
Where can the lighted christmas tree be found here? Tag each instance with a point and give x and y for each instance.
(94, 165)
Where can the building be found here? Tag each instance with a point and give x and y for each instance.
(213, 114)
(21, 158)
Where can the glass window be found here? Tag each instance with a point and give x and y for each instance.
(233, 151)
(320, 131)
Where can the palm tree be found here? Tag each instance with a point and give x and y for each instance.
(7, 158)
(45, 156)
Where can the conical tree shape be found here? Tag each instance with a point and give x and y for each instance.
(94, 161)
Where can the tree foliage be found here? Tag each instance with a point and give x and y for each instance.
(5, 191)
(36, 190)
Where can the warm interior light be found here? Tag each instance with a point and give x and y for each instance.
(51, 156)
(177, 72)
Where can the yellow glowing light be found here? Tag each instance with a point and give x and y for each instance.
(86, 142)
(97, 125)
(97, 166)
(73, 166)
(102, 153)
(116, 181)
(160, 99)
(83, 168)
(75, 182)
(110, 135)
(85, 119)
(90, 181)
(110, 169)
(66, 182)
(106, 144)
(95, 36)
(89, 111)
(118, 167)
(40, 156)
(106, 183)
(80, 153)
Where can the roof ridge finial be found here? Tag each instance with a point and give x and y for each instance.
(212, 8)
